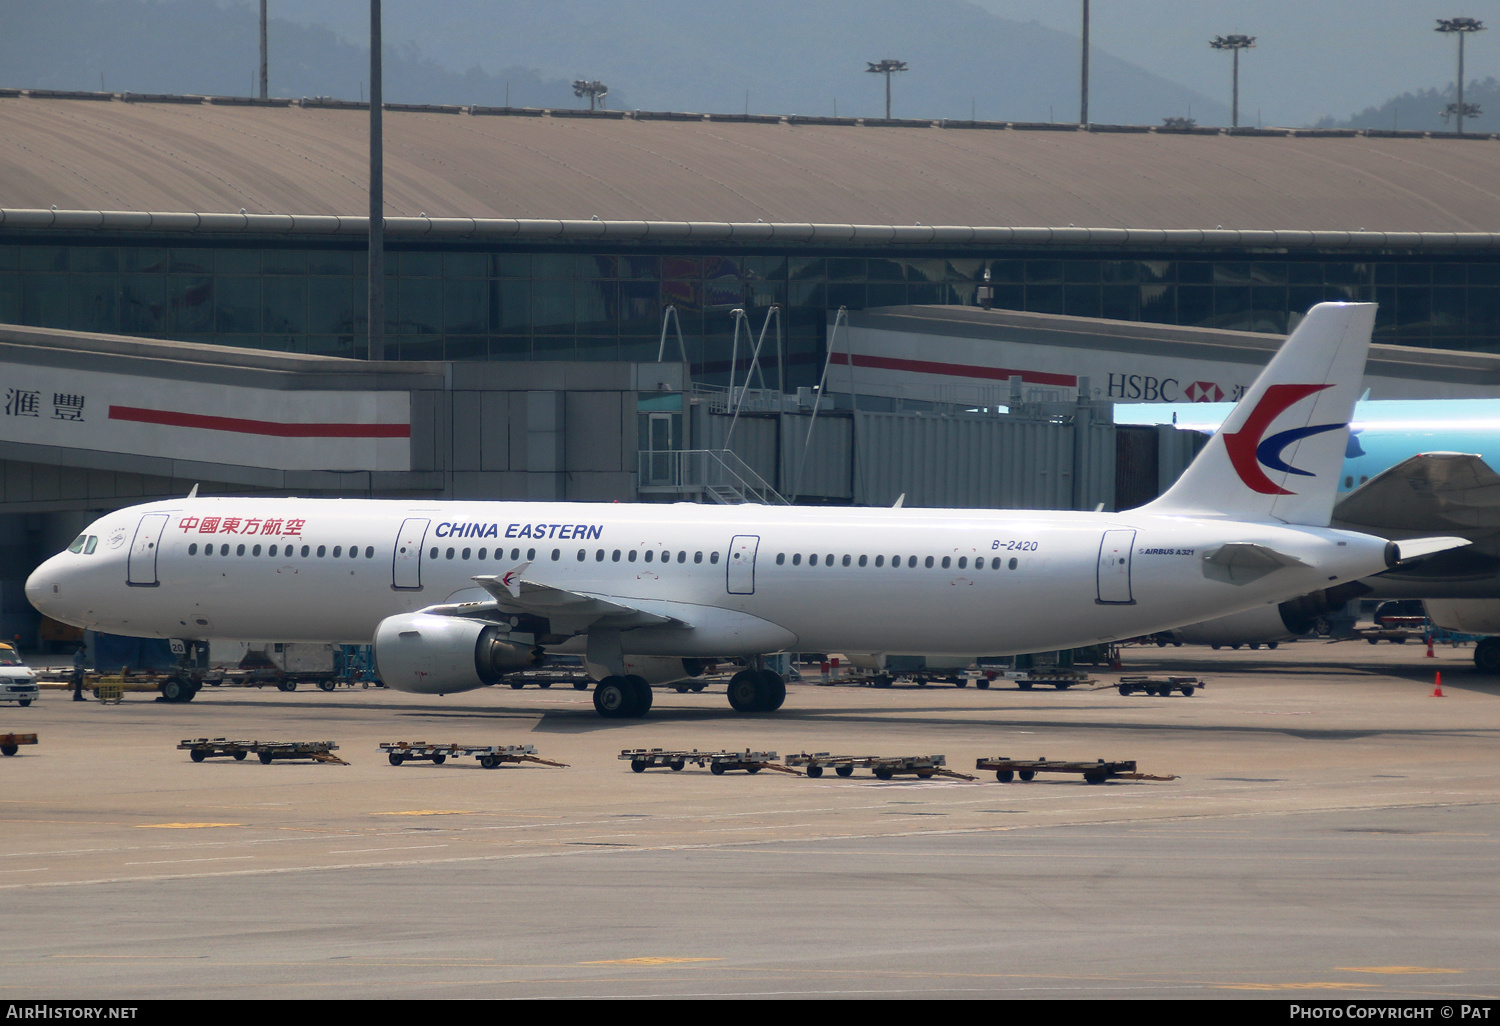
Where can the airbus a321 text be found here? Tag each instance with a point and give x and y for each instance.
(455, 595)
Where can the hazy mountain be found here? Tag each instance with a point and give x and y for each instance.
(790, 56)
(1421, 110)
(188, 46)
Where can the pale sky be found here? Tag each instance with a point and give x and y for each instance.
(1311, 57)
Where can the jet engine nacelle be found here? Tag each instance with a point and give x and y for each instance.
(1261, 626)
(655, 669)
(437, 655)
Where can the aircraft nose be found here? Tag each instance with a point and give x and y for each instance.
(45, 590)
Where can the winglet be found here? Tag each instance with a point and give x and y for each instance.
(510, 580)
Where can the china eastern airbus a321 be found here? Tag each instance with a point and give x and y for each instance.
(455, 595)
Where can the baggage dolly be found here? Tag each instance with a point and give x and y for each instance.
(489, 756)
(884, 766)
(718, 763)
(202, 748)
(1007, 769)
(10, 744)
(1163, 686)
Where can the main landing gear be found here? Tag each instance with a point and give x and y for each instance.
(756, 691)
(622, 698)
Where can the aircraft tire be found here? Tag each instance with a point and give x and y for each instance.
(744, 692)
(1487, 656)
(612, 698)
(773, 692)
(641, 695)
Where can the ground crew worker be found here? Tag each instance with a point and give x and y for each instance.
(78, 675)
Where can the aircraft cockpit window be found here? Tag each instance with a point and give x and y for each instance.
(91, 545)
(77, 545)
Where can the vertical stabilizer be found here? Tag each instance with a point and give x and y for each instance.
(1279, 453)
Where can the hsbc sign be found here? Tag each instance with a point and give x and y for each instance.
(1148, 388)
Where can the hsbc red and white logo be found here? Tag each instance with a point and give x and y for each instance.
(1203, 392)
(1249, 451)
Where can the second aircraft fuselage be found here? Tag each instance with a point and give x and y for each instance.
(868, 580)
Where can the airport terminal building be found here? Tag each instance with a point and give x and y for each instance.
(224, 230)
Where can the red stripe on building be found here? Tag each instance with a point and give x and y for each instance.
(275, 429)
(956, 370)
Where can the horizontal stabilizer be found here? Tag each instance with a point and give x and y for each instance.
(1243, 562)
(1409, 549)
(1435, 491)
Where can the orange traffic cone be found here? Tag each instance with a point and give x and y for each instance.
(1430, 653)
(1437, 688)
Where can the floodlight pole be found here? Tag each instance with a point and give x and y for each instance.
(1083, 88)
(376, 270)
(886, 68)
(1234, 44)
(263, 75)
(1461, 26)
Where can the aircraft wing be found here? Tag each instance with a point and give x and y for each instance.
(569, 612)
(1431, 493)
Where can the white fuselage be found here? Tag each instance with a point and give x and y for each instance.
(868, 580)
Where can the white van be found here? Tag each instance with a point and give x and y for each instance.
(17, 681)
